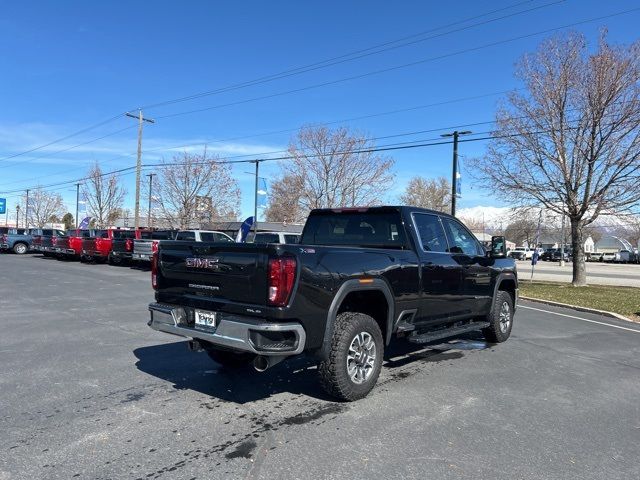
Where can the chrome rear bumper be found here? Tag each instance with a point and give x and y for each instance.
(232, 332)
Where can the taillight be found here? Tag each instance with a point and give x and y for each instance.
(154, 268)
(128, 244)
(282, 275)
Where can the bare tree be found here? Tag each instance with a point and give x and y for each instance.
(472, 224)
(104, 196)
(68, 220)
(42, 206)
(193, 188)
(571, 143)
(332, 168)
(434, 194)
(284, 203)
(522, 230)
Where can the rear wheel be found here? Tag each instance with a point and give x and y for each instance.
(355, 360)
(500, 318)
(20, 248)
(230, 359)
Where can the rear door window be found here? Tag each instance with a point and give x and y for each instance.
(430, 232)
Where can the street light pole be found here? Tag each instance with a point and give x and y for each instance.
(26, 213)
(454, 178)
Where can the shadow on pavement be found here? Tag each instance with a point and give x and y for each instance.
(173, 362)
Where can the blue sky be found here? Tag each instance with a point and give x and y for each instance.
(67, 65)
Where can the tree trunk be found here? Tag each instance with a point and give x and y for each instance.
(577, 250)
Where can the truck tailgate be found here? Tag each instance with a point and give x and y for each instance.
(224, 271)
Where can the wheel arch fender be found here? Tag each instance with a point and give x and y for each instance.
(511, 279)
(350, 286)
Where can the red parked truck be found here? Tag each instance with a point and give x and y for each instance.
(70, 246)
(97, 247)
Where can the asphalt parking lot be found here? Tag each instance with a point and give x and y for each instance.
(87, 390)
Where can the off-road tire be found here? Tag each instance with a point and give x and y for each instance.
(334, 378)
(228, 359)
(113, 260)
(20, 248)
(496, 332)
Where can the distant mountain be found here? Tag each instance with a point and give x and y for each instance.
(497, 218)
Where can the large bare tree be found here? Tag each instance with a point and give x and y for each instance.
(104, 196)
(331, 168)
(42, 206)
(434, 194)
(284, 201)
(571, 141)
(192, 188)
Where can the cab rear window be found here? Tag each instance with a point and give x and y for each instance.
(373, 229)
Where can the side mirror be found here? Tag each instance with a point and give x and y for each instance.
(498, 247)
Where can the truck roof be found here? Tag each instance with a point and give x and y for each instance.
(381, 209)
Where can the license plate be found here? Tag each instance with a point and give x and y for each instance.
(206, 319)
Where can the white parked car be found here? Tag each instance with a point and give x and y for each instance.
(526, 252)
(276, 237)
(203, 236)
(609, 257)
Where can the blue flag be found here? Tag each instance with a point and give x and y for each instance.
(85, 223)
(244, 230)
(262, 192)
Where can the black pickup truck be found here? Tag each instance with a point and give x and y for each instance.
(358, 278)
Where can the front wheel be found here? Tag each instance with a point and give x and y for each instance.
(500, 318)
(353, 365)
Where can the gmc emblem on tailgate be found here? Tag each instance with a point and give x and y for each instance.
(202, 262)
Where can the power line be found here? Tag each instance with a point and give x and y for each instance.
(289, 130)
(58, 140)
(68, 148)
(376, 49)
(396, 67)
(388, 147)
(373, 50)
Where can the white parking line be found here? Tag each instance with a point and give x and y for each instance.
(580, 318)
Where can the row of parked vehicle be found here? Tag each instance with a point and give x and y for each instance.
(555, 254)
(113, 245)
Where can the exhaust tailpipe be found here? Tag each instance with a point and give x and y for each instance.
(261, 362)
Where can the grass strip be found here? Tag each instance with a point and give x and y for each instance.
(622, 300)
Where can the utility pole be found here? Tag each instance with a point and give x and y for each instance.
(454, 178)
(26, 213)
(255, 204)
(151, 175)
(141, 121)
(17, 216)
(77, 203)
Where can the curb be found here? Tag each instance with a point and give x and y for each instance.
(578, 308)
